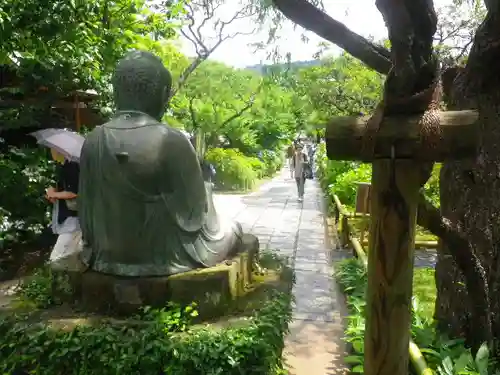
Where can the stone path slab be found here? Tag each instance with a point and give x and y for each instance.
(425, 258)
(314, 345)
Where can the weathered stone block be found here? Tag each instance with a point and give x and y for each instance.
(213, 289)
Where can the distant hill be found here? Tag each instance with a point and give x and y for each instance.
(294, 65)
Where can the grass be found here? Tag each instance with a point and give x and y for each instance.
(358, 224)
(445, 356)
(424, 285)
(424, 288)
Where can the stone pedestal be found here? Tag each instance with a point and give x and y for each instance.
(211, 288)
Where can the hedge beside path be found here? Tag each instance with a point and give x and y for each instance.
(252, 349)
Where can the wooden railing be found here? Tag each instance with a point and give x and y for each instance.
(348, 239)
(342, 215)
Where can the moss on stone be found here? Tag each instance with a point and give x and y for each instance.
(215, 288)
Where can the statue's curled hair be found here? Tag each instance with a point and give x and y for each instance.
(142, 83)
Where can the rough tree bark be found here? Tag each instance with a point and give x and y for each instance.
(470, 191)
(457, 272)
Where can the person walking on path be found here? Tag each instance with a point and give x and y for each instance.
(290, 152)
(311, 150)
(300, 161)
(65, 223)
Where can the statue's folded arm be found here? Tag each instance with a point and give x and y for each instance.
(183, 186)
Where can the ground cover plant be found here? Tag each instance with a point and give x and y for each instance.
(161, 341)
(443, 355)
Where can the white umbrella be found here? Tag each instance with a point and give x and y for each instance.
(67, 143)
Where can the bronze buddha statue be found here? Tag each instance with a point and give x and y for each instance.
(144, 207)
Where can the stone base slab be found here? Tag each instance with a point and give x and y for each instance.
(212, 289)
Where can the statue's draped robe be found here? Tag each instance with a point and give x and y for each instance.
(144, 207)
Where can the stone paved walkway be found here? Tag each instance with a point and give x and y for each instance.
(314, 345)
(425, 258)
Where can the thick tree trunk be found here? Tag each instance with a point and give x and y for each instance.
(470, 191)
(470, 197)
(474, 277)
(454, 307)
(452, 303)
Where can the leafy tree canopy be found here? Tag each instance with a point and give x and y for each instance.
(340, 86)
(66, 45)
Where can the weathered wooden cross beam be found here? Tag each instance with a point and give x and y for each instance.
(344, 137)
(396, 180)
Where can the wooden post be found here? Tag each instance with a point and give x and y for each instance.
(344, 238)
(396, 180)
(390, 267)
(363, 197)
(363, 206)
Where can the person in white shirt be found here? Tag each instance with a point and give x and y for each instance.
(300, 161)
(65, 223)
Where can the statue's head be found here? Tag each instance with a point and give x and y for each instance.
(141, 83)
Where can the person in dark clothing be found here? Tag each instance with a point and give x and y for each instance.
(207, 170)
(300, 161)
(311, 152)
(65, 221)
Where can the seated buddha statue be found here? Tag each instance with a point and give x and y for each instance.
(144, 207)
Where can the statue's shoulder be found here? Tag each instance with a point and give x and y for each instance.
(138, 126)
(174, 131)
(91, 138)
(130, 120)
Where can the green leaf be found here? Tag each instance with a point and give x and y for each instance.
(353, 359)
(482, 358)
(358, 370)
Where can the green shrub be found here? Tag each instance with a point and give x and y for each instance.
(328, 171)
(431, 187)
(155, 348)
(172, 318)
(273, 162)
(340, 177)
(445, 356)
(44, 288)
(345, 185)
(24, 175)
(257, 165)
(234, 171)
(154, 341)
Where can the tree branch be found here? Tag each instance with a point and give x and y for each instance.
(241, 111)
(185, 74)
(311, 18)
(193, 33)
